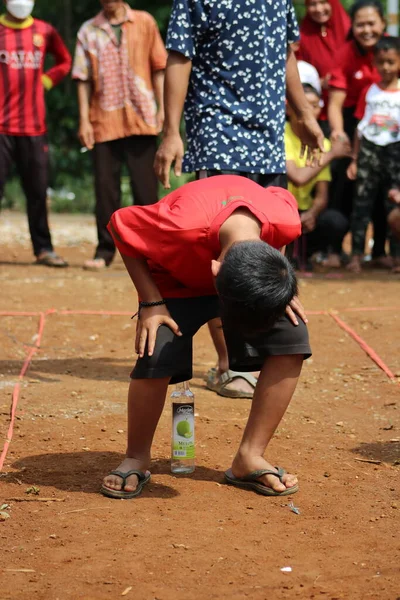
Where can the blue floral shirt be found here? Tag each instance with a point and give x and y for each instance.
(235, 106)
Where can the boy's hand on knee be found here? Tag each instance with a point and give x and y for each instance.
(149, 321)
(294, 308)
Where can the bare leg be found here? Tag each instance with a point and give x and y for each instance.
(146, 400)
(217, 335)
(275, 388)
(394, 221)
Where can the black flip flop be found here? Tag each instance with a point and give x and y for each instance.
(249, 482)
(51, 259)
(142, 477)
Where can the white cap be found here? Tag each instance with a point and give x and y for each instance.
(309, 75)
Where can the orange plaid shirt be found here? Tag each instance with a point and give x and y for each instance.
(123, 100)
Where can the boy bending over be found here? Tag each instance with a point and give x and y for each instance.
(206, 250)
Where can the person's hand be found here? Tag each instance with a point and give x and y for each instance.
(341, 147)
(308, 221)
(86, 135)
(312, 139)
(294, 308)
(149, 321)
(339, 134)
(352, 170)
(170, 151)
(160, 120)
(394, 196)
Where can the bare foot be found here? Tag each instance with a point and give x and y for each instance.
(51, 259)
(354, 265)
(332, 262)
(95, 264)
(113, 482)
(382, 262)
(396, 266)
(242, 466)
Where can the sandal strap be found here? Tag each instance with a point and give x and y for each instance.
(229, 376)
(260, 472)
(140, 474)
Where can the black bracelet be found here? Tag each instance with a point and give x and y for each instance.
(148, 305)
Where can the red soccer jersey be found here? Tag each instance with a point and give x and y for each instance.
(23, 48)
(353, 73)
(179, 235)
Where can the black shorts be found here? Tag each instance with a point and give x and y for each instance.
(173, 355)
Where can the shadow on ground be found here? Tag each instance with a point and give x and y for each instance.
(84, 471)
(388, 452)
(100, 369)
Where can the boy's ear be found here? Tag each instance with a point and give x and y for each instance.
(215, 267)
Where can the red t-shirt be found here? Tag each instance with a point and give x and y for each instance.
(23, 48)
(319, 43)
(354, 72)
(179, 235)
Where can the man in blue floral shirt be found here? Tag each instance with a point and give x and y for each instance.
(230, 67)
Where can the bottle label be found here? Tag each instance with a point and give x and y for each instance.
(183, 431)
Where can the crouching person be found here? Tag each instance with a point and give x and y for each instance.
(323, 228)
(210, 249)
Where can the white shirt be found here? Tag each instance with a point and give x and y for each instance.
(381, 121)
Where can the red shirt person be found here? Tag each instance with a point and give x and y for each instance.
(206, 250)
(179, 236)
(24, 44)
(354, 69)
(322, 32)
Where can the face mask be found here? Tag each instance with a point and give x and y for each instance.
(20, 9)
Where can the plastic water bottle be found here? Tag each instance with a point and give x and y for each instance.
(182, 439)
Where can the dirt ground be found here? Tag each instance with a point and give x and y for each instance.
(191, 538)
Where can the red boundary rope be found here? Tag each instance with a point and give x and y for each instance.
(363, 344)
(17, 387)
(42, 321)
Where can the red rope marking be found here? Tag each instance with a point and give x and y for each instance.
(363, 344)
(17, 388)
(94, 312)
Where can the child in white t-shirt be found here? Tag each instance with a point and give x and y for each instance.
(376, 161)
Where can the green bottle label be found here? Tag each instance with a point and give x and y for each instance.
(183, 431)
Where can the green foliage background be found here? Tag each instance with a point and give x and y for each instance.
(71, 169)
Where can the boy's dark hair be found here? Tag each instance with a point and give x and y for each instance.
(255, 284)
(388, 42)
(354, 8)
(310, 89)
